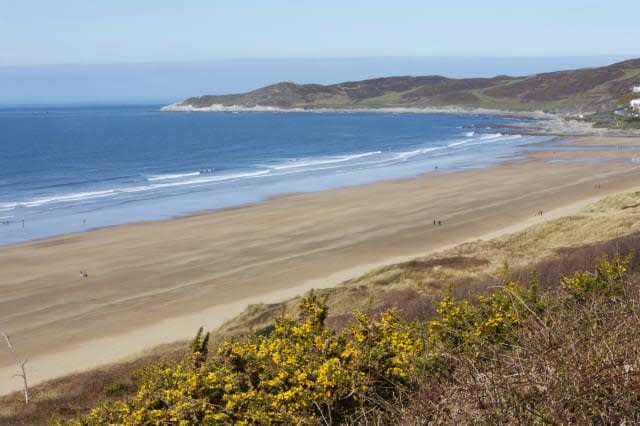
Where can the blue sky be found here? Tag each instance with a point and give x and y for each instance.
(78, 50)
(115, 31)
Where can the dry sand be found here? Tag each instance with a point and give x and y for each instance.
(157, 282)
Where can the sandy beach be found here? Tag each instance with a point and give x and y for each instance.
(156, 282)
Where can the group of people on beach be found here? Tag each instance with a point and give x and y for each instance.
(437, 222)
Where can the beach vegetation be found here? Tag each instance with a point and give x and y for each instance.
(473, 361)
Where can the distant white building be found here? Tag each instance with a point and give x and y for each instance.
(636, 89)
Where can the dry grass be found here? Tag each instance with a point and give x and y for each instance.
(471, 264)
(415, 284)
(75, 394)
(578, 366)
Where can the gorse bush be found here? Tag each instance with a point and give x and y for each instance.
(300, 373)
(479, 319)
(606, 280)
(574, 361)
(469, 364)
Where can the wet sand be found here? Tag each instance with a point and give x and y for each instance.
(156, 282)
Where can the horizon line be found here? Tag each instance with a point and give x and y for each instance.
(320, 58)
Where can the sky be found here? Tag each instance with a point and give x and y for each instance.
(108, 39)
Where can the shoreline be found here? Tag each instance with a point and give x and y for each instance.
(158, 281)
(539, 115)
(206, 212)
(139, 204)
(548, 124)
(170, 207)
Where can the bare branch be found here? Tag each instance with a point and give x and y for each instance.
(21, 364)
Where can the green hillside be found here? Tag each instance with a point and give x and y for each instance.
(585, 91)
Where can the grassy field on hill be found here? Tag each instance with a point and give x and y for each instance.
(580, 91)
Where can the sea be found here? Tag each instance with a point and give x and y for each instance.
(66, 169)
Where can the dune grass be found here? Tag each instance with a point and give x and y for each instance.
(73, 395)
(466, 265)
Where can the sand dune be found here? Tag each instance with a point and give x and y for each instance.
(151, 283)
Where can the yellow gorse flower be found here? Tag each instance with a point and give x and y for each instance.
(301, 371)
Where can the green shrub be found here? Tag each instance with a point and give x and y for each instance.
(606, 280)
(479, 319)
(299, 373)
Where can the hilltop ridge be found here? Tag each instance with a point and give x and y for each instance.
(586, 90)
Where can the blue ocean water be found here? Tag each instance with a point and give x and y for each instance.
(69, 169)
